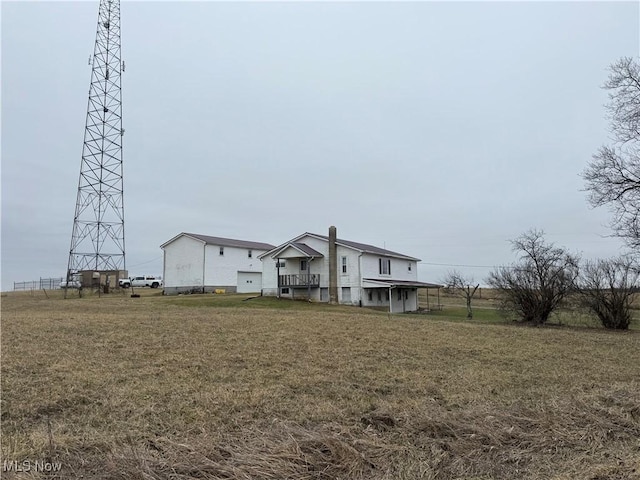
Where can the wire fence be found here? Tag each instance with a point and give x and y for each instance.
(42, 284)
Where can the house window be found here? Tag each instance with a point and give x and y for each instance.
(406, 295)
(409, 267)
(281, 264)
(221, 250)
(379, 296)
(386, 295)
(303, 265)
(285, 291)
(399, 294)
(250, 254)
(344, 264)
(370, 295)
(385, 266)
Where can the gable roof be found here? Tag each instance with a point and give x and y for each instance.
(223, 242)
(303, 248)
(362, 247)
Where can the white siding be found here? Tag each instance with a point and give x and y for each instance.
(399, 268)
(270, 276)
(408, 301)
(184, 263)
(189, 264)
(222, 270)
(378, 297)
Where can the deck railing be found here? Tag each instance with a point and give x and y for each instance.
(300, 280)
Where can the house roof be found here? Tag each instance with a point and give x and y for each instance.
(223, 242)
(399, 283)
(303, 247)
(363, 247)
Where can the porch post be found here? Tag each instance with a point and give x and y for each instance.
(390, 300)
(278, 277)
(309, 279)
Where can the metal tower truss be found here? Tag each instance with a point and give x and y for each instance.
(97, 239)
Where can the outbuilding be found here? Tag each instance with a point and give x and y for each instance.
(198, 263)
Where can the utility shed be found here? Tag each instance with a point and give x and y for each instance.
(198, 263)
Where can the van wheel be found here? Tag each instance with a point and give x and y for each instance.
(155, 285)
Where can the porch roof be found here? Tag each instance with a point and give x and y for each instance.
(301, 249)
(389, 283)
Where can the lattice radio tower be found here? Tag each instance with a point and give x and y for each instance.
(97, 239)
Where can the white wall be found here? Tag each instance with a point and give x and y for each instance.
(399, 268)
(375, 302)
(222, 270)
(183, 263)
(190, 264)
(408, 296)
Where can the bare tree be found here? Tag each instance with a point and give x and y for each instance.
(463, 286)
(607, 288)
(613, 176)
(535, 286)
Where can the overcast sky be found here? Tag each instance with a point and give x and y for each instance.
(439, 130)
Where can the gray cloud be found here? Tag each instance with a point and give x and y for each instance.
(440, 130)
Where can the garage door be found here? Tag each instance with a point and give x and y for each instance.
(249, 282)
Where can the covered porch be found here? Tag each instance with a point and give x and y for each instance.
(400, 295)
(295, 270)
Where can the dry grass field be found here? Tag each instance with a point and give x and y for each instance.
(214, 387)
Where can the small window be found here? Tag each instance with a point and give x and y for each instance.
(285, 291)
(221, 250)
(344, 264)
(250, 255)
(409, 267)
(303, 265)
(370, 295)
(281, 264)
(384, 266)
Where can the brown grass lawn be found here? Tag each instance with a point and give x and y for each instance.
(215, 387)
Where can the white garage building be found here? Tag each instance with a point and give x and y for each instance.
(202, 264)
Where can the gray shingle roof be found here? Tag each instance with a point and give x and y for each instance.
(366, 248)
(307, 249)
(403, 283)
(231, 242)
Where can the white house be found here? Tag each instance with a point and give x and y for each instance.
(201, 263)
(327, 269)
